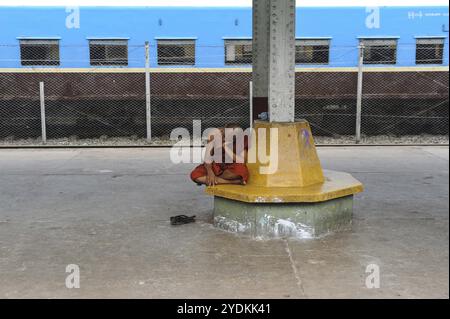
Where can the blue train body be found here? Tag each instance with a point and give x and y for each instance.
(209, 26)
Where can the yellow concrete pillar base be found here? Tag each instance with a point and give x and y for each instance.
(292, 159)
(295, 175)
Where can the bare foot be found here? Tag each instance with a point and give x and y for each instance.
(235, 182)
(222, 181)
(238, 182)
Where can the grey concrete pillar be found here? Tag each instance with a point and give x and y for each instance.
(261, 33)
(274, 59)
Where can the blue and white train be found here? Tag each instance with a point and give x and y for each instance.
(200, 61)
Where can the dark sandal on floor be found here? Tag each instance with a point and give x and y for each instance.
(181, 220)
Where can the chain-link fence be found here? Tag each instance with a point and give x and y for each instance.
(120, 95)
(403, 103)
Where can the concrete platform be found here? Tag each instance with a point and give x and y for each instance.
(108, 211)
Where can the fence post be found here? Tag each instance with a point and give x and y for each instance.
(43, 121)
(251, 103)
(147, 93)
(359, 92)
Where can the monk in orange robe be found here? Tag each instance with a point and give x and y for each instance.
(212, 172)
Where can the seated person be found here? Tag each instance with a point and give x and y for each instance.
(229, 166)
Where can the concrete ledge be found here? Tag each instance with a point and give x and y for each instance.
(336, 185)
(298, 220)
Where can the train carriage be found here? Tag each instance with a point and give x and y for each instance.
(93, 62)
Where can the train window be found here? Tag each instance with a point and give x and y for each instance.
(380, 51)
(430, 51)
(312, 51)
(238, 52)
(108, 52)
(39, 52)
(176, 52)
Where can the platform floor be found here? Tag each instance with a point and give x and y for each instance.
(107, 210)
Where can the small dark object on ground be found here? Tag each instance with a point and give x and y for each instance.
(181, 220)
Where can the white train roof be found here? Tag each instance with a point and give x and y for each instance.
(221, 3)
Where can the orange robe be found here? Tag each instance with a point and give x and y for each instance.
(239, 169)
